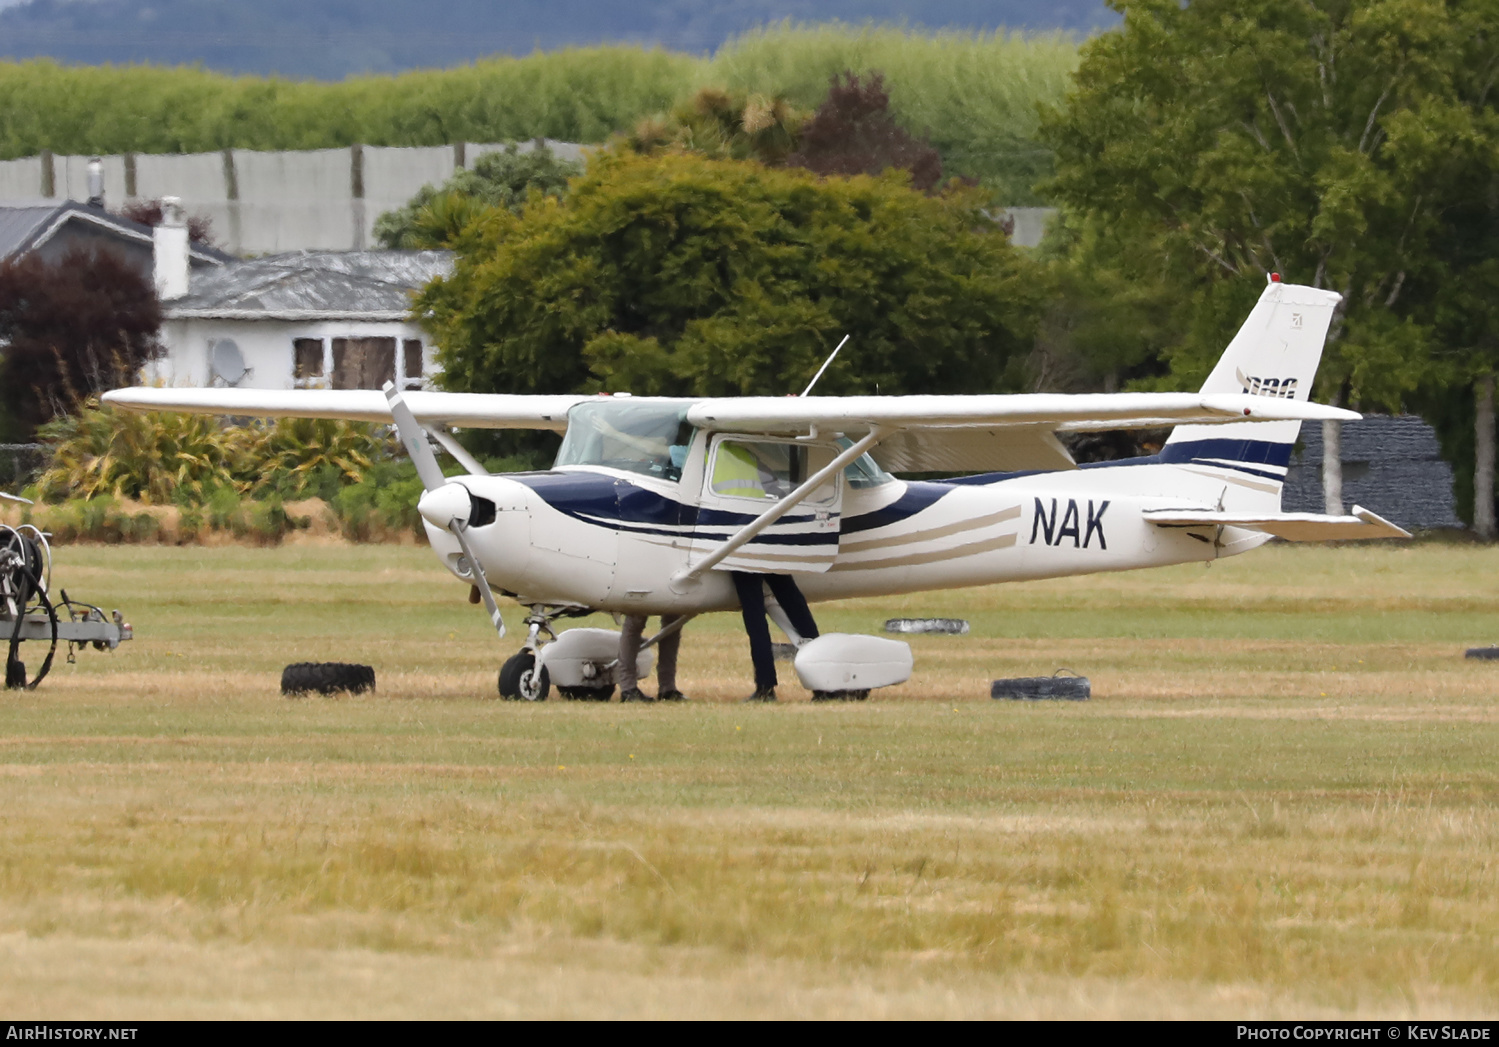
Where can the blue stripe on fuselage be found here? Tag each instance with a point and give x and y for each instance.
(598, 497)
(1250, 452)
(919, 495)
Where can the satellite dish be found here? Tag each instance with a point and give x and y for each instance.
(228, 361)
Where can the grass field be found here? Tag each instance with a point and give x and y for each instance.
(1280, 802)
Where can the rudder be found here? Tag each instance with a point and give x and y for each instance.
(1275, 354)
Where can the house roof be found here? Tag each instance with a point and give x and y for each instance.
(26, 225)
(312, 285)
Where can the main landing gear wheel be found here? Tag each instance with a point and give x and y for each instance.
(858, 695)
(520, 680)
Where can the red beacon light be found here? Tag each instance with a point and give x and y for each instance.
(1275, 278)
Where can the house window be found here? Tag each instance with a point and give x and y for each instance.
(363, 363)
(411, 371)
(307, 361)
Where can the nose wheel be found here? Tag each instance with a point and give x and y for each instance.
(521, 681)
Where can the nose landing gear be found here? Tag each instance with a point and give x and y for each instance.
(521, 679)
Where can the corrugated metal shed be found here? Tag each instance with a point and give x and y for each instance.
(1392, 465)
(307, 284)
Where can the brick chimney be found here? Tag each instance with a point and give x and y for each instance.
(170, 245)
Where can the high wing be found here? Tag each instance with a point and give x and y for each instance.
(918, 433)
(991, 432)
(1293, 527)
(465, 410)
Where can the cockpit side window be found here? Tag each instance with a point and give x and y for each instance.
(648, 438)
(756, 469)
(863, 472)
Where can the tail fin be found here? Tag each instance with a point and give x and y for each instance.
(1275, 353)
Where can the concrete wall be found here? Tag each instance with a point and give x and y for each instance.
(263, 203)
(1030, 224)
(317, 200)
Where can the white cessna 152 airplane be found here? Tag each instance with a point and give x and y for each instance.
(652, 500)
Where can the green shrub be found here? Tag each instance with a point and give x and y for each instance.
(152, 458)
(185, 459)
(382, 504)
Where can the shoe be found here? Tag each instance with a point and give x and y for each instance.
(763, 694)
(635, 694)
(672, 695)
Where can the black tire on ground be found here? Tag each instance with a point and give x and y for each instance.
(941, 626)
(519, 680)
(841, 696)
(15, 675)
(326, 678)
(586, 694)
(1042, 688)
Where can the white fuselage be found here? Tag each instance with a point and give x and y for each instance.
(611, 540)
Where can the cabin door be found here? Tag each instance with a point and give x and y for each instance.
(744, 477)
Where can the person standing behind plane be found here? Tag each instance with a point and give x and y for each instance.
(666, 663)
(751, 590)
(737, 471)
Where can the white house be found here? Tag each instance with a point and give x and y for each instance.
(310, 319)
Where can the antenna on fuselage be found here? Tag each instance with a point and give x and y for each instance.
(824, 366)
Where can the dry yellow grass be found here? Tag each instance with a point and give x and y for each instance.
(1281, 802)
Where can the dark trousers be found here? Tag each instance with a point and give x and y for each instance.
(631, 633)
(752, 607)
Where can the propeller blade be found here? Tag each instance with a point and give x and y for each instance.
(444, 505)
(414, 439)
(481, 582)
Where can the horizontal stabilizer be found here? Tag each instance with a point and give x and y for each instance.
(1293, 527)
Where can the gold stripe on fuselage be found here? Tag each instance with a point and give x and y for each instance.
(951, 553)
(962, 526)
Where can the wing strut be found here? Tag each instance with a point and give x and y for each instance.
(684, 578)
(453, 447)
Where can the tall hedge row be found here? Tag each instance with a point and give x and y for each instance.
(975, 94)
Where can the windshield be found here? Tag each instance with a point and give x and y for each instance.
(647, 438)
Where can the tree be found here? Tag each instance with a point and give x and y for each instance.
(1461, 288)
(854, 132)
(675, 274)
(724, 125)
(1235, 138)
(71, 330)
(148, 212)
(437, 214)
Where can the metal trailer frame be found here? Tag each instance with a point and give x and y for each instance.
(27, 612)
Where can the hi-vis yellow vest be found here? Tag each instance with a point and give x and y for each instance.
(736, 471)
